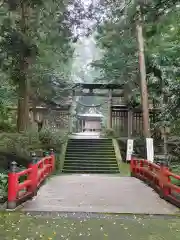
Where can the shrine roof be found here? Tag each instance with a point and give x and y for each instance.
(98, 86)
(92, 112)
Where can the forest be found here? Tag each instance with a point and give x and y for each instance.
(37, 44)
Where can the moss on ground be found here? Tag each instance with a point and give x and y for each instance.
(124, 169)
(17, 226)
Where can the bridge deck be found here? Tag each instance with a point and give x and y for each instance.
(98, 193)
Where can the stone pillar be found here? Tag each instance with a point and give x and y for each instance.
(130, 123)
(109, 118)
(82, 123)
(71, 111)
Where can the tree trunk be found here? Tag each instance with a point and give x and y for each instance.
(142, 67)
(23, 93)
(23, 105)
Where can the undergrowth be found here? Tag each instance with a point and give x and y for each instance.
(18, 146)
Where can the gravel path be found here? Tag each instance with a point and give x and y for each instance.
(98, 194)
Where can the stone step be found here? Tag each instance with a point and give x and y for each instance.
(94, 140)
(84, 141)
(94, 160)
(89, 147)
(101, 160)
(90, 143)
(91, 166)
(97, 163)
(97, 151)
(90, 151)
(92, 154)
(69, 163)
(89, 158)
(92, 171)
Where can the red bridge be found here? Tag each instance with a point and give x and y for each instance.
(151, 189)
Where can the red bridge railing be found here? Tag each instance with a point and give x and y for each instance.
(19, 190)
(158, 177)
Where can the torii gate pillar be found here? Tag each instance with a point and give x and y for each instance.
(109, 117)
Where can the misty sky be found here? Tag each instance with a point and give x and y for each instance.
(85, 50)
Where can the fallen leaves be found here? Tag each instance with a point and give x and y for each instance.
(19, 226)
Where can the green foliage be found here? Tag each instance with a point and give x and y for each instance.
(23, 144)
(3, 186)
(7, 97)
(7, 126)
(20, 144)
(7, 121)
(51, 139)
(117, 40)
(116, 36)
(36, 50)
(50, 72)
(17, 147)
(109, 133)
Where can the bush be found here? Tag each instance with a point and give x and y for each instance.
(51, 139)
(109, 133)
(17, 147)
(3, 186)
(7, 118)
(20, 144)
(6, 126)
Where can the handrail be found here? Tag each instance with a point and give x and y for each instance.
(158, 177)
(35, 174)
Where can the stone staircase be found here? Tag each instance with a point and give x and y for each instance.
(90, 156)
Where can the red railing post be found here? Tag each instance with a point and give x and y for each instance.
(52, 159)
(12, 186)
(33, 176)
(164, 180)
(141, 165)
(133, 166)
(45, 155)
